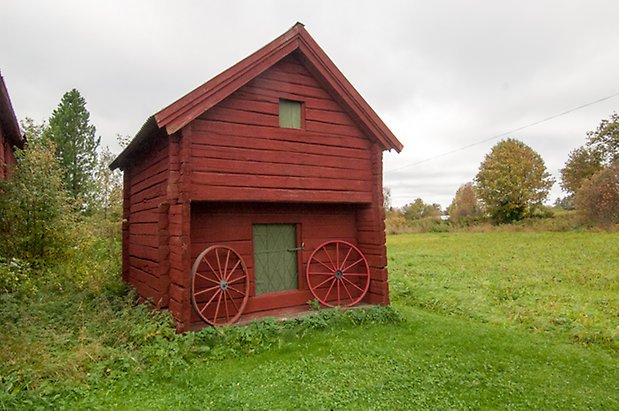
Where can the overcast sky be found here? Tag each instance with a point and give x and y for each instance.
(441, 74)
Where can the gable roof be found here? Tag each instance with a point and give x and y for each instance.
(8, 121)
(297, 39)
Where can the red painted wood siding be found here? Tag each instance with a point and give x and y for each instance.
(145, 189)
(7, 157)
(231, 224)
(239, 152)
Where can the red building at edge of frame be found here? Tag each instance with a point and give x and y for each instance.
(10, 136)
(266, 162)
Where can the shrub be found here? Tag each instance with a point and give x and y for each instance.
(598, 197)
(15, 275)
(35, 212)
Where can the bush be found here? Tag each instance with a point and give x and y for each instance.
(598, 198)
(15, 275)
(35, 212)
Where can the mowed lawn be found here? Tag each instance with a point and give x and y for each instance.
(489, 320)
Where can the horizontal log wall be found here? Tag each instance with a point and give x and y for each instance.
(179, 222)
(145, 221)
(240, 153)
(7, 157)
(371, 239)
(231, 224)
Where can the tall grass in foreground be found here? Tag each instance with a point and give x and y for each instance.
(458, 336)
(560, 284)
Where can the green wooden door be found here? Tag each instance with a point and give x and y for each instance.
(275, 257)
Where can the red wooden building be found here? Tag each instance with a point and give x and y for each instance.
(10, 136)
(258, 191)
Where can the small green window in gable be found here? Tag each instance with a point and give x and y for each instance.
(289, 113)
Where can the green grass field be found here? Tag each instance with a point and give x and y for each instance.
(561, 284)
(479, 320)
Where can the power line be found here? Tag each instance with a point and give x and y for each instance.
(425, 160)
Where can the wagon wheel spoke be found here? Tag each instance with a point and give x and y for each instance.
(211, 267)
(209, 301)
(206, 290)
(232, 270)
(353, 264)
(333, 266)
(334, 280)
(347, 292)
(240, 292)
(218, 304)
(345, 258)
(324, 282)
(232, 301)
(206, 278)
(236, 280)
(225, 274)
(353, 284)
(324, 265)
(337, 256)
(227, 302)
(218, 262)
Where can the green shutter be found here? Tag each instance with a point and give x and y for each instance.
(289, 113)
(275, 257)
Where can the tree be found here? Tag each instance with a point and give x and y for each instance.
(512, 181)
(76, 145)
(600, 150)
(108, 195)
(598, 197)
(605, 140)
(565, 203)
(581, 164)
(386, 198)
(418, 209)
(33, 132)
(35, 212)
(465, 204)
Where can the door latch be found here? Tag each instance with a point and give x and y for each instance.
(297, 248)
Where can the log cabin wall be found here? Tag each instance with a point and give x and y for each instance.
(4, 145)
(7, 159)
(176, 235)
(240, 153)
(145, 190)
(230, 224)
(371, 238)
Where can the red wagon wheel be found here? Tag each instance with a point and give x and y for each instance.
(338, 274)
(219, 285)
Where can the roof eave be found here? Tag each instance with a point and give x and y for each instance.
(148, 128)
(8, 120)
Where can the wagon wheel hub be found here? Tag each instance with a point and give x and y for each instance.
(223, 284)
(339, 274)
